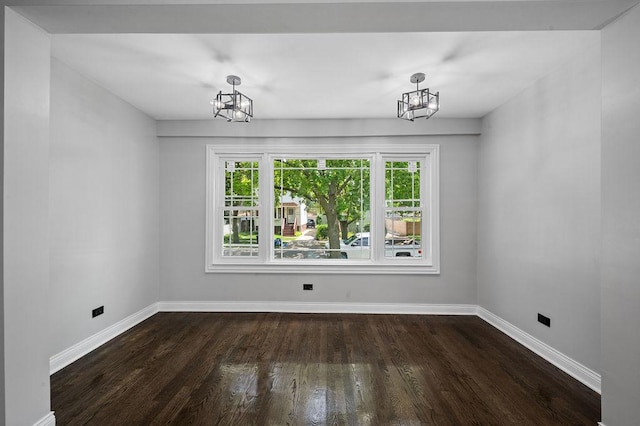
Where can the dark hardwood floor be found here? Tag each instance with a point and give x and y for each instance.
(308, 369)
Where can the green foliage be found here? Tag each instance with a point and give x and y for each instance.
(241, 183)
(341, 190)
(341, 179)
(401, 185)
(243, 238)
(322, 232)
(284, 239)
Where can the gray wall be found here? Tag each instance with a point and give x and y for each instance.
(539, 209)
(621, 222)
(26, 219)
(182, 183)
(104, 199)
(2, 323)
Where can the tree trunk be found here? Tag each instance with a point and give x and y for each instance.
(235, 228)
(329, 204)
(344, 229)
(333, 229)
(333, 221)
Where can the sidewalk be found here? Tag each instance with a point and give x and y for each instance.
(305, 241)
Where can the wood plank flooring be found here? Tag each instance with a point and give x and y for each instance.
(316, 369)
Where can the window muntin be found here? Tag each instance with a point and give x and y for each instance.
(259, 213)
(403, 209)
(240, 211)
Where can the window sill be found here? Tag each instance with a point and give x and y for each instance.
(363, 269)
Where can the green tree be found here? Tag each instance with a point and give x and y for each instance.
(341, 190)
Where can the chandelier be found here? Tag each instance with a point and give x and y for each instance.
(233, 106)
(419, 103)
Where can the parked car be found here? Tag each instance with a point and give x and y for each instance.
(311, 224)
(357, 247)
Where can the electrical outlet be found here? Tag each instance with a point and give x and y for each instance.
(97, 311)
(307, 286)
(544, 320)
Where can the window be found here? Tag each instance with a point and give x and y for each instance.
(333, 210)
(403, 208)
(332, 191)
(240, 211)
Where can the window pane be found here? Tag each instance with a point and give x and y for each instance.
(403, 212)
(240, 231)
(240, 236)
(402, 179)
(319, 204)
(403, 233)
(241, 183)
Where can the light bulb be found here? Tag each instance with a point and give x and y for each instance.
(415, 100)
(238, 115)
(216, 104)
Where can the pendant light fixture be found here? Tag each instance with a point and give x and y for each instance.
(233, 106)
(419, 103)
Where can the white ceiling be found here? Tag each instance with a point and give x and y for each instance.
(175, 76)
(317, 58)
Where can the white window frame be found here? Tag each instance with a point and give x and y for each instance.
(217, 189)
(427, 155)
(426, 202)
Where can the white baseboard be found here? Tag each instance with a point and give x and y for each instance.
(570, 366)
(319, 307)
(66, 357)
(48, 420)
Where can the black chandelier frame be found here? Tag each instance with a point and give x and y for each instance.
(419, 103)
(234, 106)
